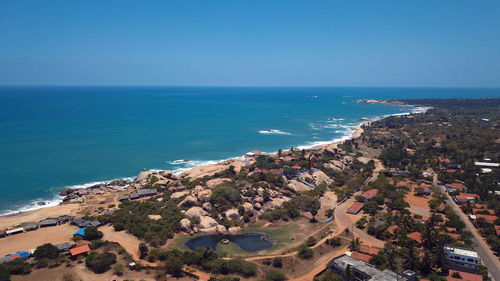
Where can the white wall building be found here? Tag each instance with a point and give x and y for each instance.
(461, 259)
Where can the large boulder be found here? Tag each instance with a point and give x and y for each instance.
(298, 186)
(185, 224)
(189, 201)
(195, 212)
(204, 196)
(143, 176)
(221, 229)
(179, 194)
(275, 203)
(166, 174)
(234, 230)
(207, 222)
(232, 214)
(319, 177)
(248, 208)
(207, 206)
(215, 182)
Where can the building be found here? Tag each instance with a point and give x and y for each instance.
(64, 219)
(487, 164)
(360, 256)
(80, 232)
(31, 227)
(362, 271)
(355, 208)
(146, 192)
(48, 222)
(461, 259)
(14, 231)
(417, 237)
(81, 223)
(79, 250)
(2, 233)
(465, 198)
(64, 247)
(20, 254)
(367, 195)
(253, 153)
(123, 198)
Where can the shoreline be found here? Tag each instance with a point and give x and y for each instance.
(43, 212)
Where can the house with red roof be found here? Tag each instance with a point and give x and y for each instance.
(79, 250)
(466, 198)
(369, 194)
(417, 237)
(392, 229)
(487, 218)
(369, 250)
(360, 256)
(355, 208)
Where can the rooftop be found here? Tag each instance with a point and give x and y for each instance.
(370, 193)
(461, 251)
(80, 250)
(343, 261)
(465, 276)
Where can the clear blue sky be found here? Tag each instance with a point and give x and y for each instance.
(251, 42)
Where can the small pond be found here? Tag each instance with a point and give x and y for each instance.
(249, 242)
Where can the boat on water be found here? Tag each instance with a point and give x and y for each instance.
(272, 131)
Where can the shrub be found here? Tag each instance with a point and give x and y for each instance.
(274, 275)
(100, 263)
(305, 252)
(46, 251)
(278, 262)
(143, 250)
(311, 241)
(68, 277)
(91, 233)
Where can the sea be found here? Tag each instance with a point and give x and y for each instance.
(56, 137)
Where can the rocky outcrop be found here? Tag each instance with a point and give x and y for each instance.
(298, 186)
(189, 201)
(232, 214)
(215, 182)
(185, 224)
(196, 212)
(204, 196)
(207, 222)
(234, 230)
(143, 176)
(179, 194)
(319, 177)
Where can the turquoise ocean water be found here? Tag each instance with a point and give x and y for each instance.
(57, 137)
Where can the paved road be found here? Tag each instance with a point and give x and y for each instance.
(487, 257)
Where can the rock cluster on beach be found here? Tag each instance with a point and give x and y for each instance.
(79, 195)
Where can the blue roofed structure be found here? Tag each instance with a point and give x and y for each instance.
(80, 232)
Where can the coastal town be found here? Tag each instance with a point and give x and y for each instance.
(409, 197)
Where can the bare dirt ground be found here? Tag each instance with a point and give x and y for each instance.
(30, 240)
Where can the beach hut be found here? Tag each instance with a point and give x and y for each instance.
(80, 232)
(134, 196)
(79, 250)
(146, 192)
(2, 233)
(123, 198)
(48, 222)
(14, 231)
(31, 227)
(20, 254)
(64, 247)
(64, 219)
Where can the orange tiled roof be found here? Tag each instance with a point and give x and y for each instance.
(79, 250)
(465, 276)
(488, 218)
(360, 256)
(369, 250)
(417, 236)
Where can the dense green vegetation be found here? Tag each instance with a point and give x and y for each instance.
(100, 262)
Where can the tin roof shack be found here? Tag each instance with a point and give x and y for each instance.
(64, 247)
(355, 208)
(64, 219)
(461, 259)
(48, 222)
(362, 271)
(80, 232)
(146, 192)
(81, 223)
(31, 227)
(124, 197)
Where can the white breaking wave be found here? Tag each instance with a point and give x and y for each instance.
(273, 132)
(56, 199)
